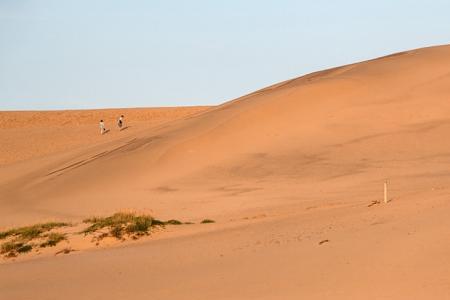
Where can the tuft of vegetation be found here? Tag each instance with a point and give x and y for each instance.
(25, 248)
(141, 225)
(173, 222)
(116, 231)
(9, 246)
(13, 248)
(206, 221)
(92, 220)
(157, 222)
(21, 238)
(53, 239)
(121, 224)
(28, 233)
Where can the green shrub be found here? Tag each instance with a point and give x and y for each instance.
(12, 248)
(53, 239)
(120, 224)
(25, 248)
(116, 231)
(28, 233)
(205, 221)
(174, 222)
(9, 246)
(140, 225)
(156, 222)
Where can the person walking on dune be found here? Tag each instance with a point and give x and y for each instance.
(102, 127)
(120, 122)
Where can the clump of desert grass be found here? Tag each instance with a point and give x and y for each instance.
(174, 222)
(52, 239)
(120, 226)
(21, 240)
(31, 232)
(13, 248)
(124, 224)
(206, 221)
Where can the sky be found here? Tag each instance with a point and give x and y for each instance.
(58, 54)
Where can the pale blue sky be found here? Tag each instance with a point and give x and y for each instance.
(57, 54)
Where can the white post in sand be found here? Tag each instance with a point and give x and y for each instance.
(385, 192)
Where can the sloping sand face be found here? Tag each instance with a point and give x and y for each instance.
(30, 134)
(289, 173)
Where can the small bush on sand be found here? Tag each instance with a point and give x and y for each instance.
(28, 233)
(140, 225)
(24, 248)
(116, 231)
(53, 239)
(174, 222)
(21, 237)
(12, 248)
(120, 224)
(205, 221)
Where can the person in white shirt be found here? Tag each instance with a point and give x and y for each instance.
(102, 127)
(120, 122)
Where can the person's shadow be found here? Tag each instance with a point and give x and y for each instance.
(126, 127)
(106, 131)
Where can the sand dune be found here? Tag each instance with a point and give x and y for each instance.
(30, 134)
(288, 173)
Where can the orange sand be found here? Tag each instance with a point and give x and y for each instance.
(281, 171)
(29, 134)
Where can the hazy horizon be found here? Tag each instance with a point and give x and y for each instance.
(106, 54)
